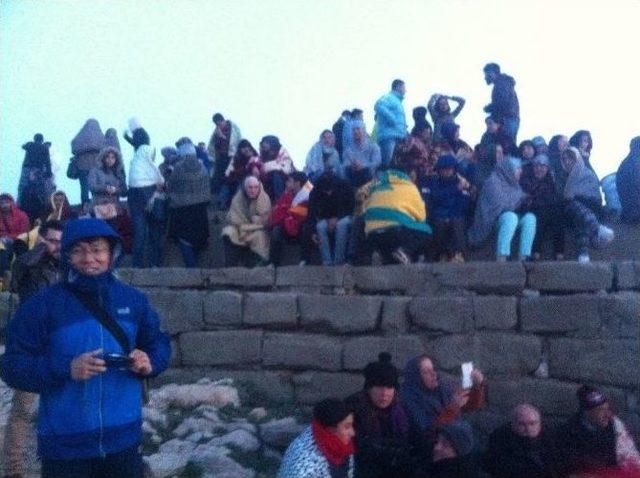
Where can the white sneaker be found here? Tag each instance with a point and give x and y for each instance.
(584, 259)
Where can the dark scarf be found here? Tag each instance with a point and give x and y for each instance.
(334, 450)
(370, 419)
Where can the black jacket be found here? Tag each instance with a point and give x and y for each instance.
(331, 197)
(512, 456)
(32, 271)
(504, 100)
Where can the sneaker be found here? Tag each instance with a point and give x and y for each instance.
(458, 258)
(605, 236)
(584, 259)
(401, 257)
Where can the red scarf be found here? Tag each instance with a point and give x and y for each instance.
(334, 450)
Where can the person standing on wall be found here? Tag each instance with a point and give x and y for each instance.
(391, 122)
(504, 101)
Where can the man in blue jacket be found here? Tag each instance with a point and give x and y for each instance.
(88, 377)
(390, 120)
(504, 101)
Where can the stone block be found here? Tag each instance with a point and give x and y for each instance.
(340, 314)
(447, 314)
(495, 312)
(569, 276)
(175, 361)
(620, 315)
(493, 353)
(577, 314)
(222, 308)
(359, 351)
(377, 279)
(628, 275)
(395, 317)
(302, 351)
(311, 387)
(614, 362)
(310, 276)
(125, 274)
(552, 397)
(179, 311)
(254, 387)
(270, 309)
(175, 277)
(221, 348)
(241, 277)
(485, 277)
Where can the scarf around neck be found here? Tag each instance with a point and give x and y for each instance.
(334, 450)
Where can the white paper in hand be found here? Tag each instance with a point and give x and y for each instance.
(467, 381)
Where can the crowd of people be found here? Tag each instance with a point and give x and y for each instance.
(418, 429)
(419, 194)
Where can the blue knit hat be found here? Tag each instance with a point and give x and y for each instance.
(446, 161)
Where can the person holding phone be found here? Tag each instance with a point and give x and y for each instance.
(431, 402)
(84, 345)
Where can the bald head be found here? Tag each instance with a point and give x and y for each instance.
(526, 421)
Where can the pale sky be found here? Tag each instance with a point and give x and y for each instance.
(289, 67)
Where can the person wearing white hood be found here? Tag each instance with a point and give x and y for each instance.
(144, 180)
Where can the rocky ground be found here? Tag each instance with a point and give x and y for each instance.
(202, 430)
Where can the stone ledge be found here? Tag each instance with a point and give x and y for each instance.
(628, 275)
(569, 276)
(302, 352)
(310, 276)
(311, 387)
(495, 312)
(339, 314)
(222, 308)
(270, 309)
(446, 314)
(221, 348)
(240, 277)
(179, 311)
(567, 314)
(175, 277)
(377, 279)
(359, 351)
(484, 277)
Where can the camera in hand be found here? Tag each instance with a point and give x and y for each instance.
(117, 360)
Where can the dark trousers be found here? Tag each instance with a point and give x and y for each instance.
(238, 256)
(220, 167)
(359, 248)
(388, 240)
(548, 228)
(278, 238)
(146, 231)
(124, 464)
(83, 177)
(582, 221)
(449, 235)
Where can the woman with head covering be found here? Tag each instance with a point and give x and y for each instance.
(582, 141)
(628, 184)
(86, 146)
(107, 181)
(441, 113)
(277, 166)
(500, 206)
(583, 205)
(322, 156)
(325, 449)
(543, 201)
(246, 232)
(386, 441)
(245, 162)
(189, 195)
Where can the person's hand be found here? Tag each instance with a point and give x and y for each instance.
(461, 397)
(477, 377)
(140, 362)
(255, 219)
(331, 224)
(88, 365)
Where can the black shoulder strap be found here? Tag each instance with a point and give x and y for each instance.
(103, 317)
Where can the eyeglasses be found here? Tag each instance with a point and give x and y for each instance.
(92, 251)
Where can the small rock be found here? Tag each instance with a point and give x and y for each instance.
(177, 446)
(148, 428)
(154, 416)
(258, 414)
(156, 439)
(240, 439)
(199, 437)
(272, 454)
(240, 425)
(192, 425)
(279, 433)
(163, 465)
(219, 394)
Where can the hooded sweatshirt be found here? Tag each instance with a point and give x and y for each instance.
(390, 118)
(14, 223)
(504, 100)
(102, 415)
(143, 172)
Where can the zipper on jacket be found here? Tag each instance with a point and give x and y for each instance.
(101, 448)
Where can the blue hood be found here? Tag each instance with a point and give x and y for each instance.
(82, 229)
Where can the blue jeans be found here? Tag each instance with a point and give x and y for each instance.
(189, 254)
(510, 127)
(341, 238)
(386, 150)
(123, 464)
(508, 222)
(146, 231)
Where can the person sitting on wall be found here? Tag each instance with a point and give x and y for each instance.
(431, 402)
(595, 439)
(451, 454)
(323, 155)
(521, 448)
(386, 441)
(325, 449)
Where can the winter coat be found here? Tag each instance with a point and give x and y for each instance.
(290, 212)
(303, 459)
(582, 182)
(34, 270)
(86, 145)
(102, 415)
(511, 456)
(386, 442)
(189, 183)
(459, 467)
(233, 138)
(331, 197)
(320, 158)
(143, 172)
(445, 199)
(100, 177)
(390, 118)
(541, 193)
(504, 100)
(15, 223)
(628, 184)
(368, 153)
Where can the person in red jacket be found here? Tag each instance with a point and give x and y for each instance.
(289, 214)
(13, 222)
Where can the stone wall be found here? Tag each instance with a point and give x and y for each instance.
(303, 333)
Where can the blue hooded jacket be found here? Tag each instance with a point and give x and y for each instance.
(102, 415)
(390, 117)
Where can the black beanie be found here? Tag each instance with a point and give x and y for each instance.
(330, 411)
(460, 435)
(590, 397)
(381, 373)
